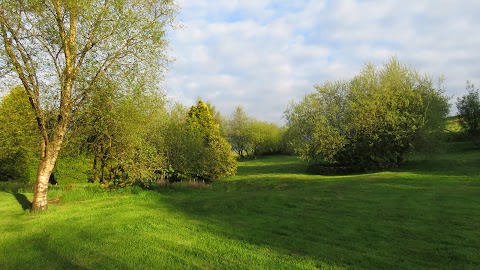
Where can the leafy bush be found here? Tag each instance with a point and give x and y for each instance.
(118, 131)
(194, 147)
(371, 121)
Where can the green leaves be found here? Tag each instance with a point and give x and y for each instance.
(19, 137)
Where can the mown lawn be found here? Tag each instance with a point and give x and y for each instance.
(270, 216)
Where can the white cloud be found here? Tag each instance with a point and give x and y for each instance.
(262, 54)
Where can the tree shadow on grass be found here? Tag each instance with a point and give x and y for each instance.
(22, 200)
(72, 243)
(13, 188)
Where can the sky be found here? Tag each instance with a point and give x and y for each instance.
(263, 54)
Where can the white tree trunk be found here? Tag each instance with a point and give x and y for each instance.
(47, 163)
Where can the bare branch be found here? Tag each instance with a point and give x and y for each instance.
(109, 61)
(59, 17)
(89, 44)
(45, 45)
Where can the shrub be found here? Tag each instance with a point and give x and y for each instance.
(195, 149)
(371, 121)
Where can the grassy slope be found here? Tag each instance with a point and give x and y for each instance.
(270, 215)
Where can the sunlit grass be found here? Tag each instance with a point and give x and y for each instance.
(270, 216)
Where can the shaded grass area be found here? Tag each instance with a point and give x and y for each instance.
(270, 216)
(457, 159)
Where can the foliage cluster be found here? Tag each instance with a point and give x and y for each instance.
(126, 135)
(371, 121)
(118, 129)
(133, 138)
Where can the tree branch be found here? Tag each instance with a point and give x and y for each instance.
(33, 98)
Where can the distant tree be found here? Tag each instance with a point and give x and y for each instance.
(61, 49)
(370, 121)
(264, 138)
(469, 112)
(237, 131)
(251, 137)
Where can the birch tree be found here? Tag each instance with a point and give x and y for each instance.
(59, 50)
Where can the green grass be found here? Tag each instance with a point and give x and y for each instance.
(270, 216)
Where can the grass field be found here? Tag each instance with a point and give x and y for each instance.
(270, 216)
